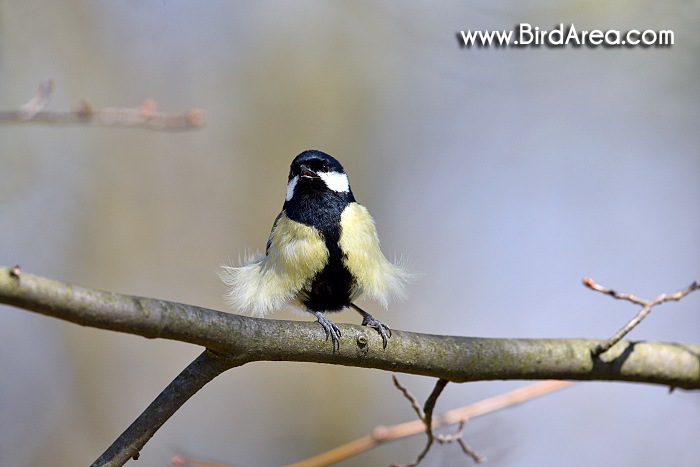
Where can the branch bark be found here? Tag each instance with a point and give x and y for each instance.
(457, 359)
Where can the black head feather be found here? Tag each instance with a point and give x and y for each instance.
(315, 160)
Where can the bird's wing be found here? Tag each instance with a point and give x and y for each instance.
(269, 240)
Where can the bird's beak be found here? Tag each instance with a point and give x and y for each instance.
(308, 173)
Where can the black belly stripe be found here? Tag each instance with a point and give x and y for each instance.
(330, 289)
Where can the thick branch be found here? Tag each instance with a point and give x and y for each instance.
(202, 370)
(457, 359)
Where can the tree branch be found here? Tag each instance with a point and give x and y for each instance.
(145, 115)
(233, 340)
(457, 359)
(202, 370)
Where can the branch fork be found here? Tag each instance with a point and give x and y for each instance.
(646, 305)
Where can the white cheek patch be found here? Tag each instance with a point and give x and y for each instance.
(335, 181)
(290, 187)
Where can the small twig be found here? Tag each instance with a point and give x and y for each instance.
(414, 403)
(457, 436)
(646, 305)
(426, 416)
(423, 415)
(476, 457)
(145, 115)
(432, 400)
(443, 439)
(428, 409)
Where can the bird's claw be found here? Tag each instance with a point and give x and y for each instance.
(331, 329)
(383, 329)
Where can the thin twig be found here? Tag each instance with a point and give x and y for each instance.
(430, 402)
(425, 415)
(406, 393)
(443, 439)
(646, 305)
(476, 457)
(145, 115)
(457, 436)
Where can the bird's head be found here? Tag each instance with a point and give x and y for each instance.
(314, 171)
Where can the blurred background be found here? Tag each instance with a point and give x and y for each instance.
(504, 176)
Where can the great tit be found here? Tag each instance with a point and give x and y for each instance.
(323, 253)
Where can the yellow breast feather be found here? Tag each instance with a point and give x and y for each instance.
(377, 277)
(296, 253)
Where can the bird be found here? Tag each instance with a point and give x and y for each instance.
(322, 254)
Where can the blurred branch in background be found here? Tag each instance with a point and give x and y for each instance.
(385, 434)
(144, 116)
(233, 340)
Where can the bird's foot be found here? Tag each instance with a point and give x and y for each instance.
(368, 320)
(331, 329)
(383, 329)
